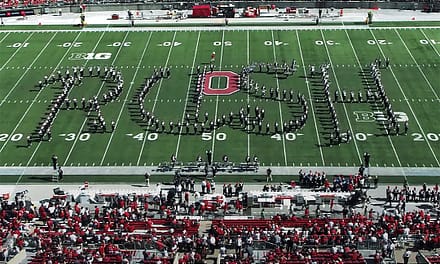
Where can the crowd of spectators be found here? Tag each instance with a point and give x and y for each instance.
(55, 3)
(35, 3)
(162, 226)
(320, 181)
(407, 194)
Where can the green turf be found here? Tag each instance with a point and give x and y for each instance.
(221, 24)
(412, 84)
(180, 24)
(406, 24)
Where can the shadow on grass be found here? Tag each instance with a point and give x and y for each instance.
(139, 185)
(41, 178)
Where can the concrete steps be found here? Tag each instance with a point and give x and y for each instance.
(204, 227)
(398, 253)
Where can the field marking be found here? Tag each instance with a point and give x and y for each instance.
(155, 99)
(340, 92)
(432, 45)
(248, 96)
(39, 143)
(407, 102)
(417, 65)
(192, 28)
(17, 50)
(179, 100)
(97, 94)
(310, 98)
(225, 66)
(126, 99)
(187, 95)
(6, 35)
(27, 67)
(279, 103)
(363, 77)
(217, 97)
(29, 107)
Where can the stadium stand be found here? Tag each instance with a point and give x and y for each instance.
(174, 225)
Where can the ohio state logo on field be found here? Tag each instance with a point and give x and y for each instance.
(230, 85)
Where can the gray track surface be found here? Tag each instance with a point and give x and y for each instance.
(276, 170)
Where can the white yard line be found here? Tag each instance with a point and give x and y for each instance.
(418, 66)
(407, 102)
(27, 68)
(17, 50)
(340, 92)
(217, 97)
(59, 63)
(279, 103)
(310, 99)
(126, 98)
(6, 35)
(430, 43)
(360, 67)
(210, 28)
(156, 99)
(248, 99)
(187, 95)
(97, 94)
(33, 101)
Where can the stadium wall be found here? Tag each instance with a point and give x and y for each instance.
(402, 5)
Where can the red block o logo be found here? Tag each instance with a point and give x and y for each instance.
(231, 87)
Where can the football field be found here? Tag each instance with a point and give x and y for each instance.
(411, 82)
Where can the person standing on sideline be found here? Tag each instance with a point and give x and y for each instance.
(209, 156)
(60, 174)
(269, 175)
(147, 179)
(406, 256)
(213, 57)
(54, 161)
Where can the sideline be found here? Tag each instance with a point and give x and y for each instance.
(219, 28)
(276, 170)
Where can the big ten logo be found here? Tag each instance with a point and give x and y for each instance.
(229, 87)
(367, 116)
(90, 56)
(364, 116)
(401, 116)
